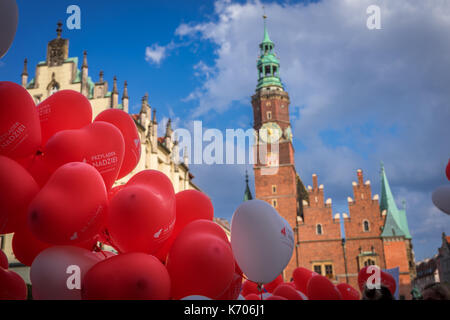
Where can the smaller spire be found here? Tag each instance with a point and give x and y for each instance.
(154, 116)
(101, 76)
(84, 65)
(125, 90)
(115, 85)
(247, 193)
(25, 71)
(144, 103)
(59, 29)
(169, 128)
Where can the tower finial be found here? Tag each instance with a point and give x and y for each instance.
(84, 65)
(115, 85)
(59, 29)
(25, 71)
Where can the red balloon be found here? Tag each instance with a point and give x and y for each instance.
(191, 205)
(363, 275)
(17, 189)
(63, 110)
(140, 219)
(252, 296)
(271, 286)
(388, 281)
(287, 291)
(233, 291)
(447, 170)
(301, 277)
(20, 131)
(273, 297)
(348, 292)
(71, 206)
(3, 260)
(127, 127)
(99, 144)
(200, 264)
(320, 288)
(114, 190)
(26, 246)
(39, 170)
(12, 286)
(249, 287)
(128, 276)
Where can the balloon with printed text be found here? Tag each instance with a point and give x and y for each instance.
(99, 144)
(262, 241)
(20, 131)
(123, 121)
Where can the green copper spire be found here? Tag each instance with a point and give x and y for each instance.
(268, 64)
(247, 194)
(396, 223)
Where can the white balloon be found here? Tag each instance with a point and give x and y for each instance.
(441, 198)
(262, 241)
(194, 297)
(57, 272)
(8, 24)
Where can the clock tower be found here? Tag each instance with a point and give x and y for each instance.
(274, 169)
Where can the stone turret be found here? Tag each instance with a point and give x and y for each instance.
(84, 76)
(125, 97)
(24, 74)
(114, 94)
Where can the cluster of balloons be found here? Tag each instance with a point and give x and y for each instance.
(441, 196)
(57, 171)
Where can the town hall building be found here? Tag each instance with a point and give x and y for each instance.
(376, 230)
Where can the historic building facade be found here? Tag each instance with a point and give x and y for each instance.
(376, 231)
(59, 72)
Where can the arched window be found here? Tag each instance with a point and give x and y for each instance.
(366, 226)
(319, 229)
(369, 262)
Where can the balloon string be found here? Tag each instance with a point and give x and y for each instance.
(260, 285)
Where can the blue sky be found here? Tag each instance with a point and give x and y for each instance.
(358, 96)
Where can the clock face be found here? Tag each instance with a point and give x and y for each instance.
(288, 133)
(270, 132)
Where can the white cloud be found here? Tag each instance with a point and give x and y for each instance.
(376, 94)
(155, 54)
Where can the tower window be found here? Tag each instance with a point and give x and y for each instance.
(318, 269)
(366, 226)
(319, 230)
(274, 189)
(267, 70)
(274, 203)
(269, 115)
(274, 70)
(329, 271)
(369, 262)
